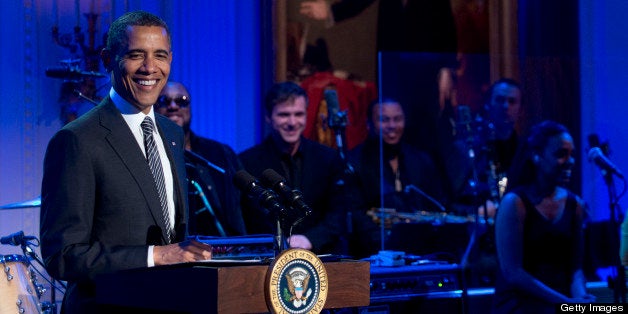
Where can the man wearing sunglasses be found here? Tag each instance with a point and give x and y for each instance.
(223, 217)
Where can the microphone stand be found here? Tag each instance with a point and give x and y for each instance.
(193, 171)
(475, 205)
(32, 255)
(282, 223)
(199, 159)
(464, 261)
(619, 282)
(79, 94)
(207, 207)
(475, 201)
(411, 187)
(280, 239)
(338, 123)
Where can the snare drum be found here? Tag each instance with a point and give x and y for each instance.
(17, 287)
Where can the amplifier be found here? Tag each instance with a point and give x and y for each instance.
(438, 280)
(428, 288)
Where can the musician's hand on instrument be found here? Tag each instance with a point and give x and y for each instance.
(299, 241)
(390, 216)
(186, 251)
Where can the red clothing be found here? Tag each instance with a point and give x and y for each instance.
(353, 97)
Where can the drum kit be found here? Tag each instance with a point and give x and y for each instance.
(20, 288)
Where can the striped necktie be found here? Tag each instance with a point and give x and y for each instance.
(154, 162)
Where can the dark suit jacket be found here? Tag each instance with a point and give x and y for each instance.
(218, 187)
(100, 208)
(415, 168)
(322, 171)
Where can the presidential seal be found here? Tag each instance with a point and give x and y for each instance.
(296, 282)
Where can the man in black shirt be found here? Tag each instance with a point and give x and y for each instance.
(314, 169)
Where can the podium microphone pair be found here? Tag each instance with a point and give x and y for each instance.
(274, 195)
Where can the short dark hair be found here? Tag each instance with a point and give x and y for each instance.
(523, 168)
(504, 80)
(372, 104)
(541, 133)
(116, 36)
(281, 92)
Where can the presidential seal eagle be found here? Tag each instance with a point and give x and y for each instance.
(297, 280)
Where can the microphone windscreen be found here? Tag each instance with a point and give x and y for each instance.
(594, 153)
(243, 180)
(270, 177)
(594, 140)
(331, 98)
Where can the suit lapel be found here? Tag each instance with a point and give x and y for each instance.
(123, 142)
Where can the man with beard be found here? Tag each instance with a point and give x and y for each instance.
(213, 171)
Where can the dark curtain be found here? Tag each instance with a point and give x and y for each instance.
(549, 63)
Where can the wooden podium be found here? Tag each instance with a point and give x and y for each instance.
(214, 288)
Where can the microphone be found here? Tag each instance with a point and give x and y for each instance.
(335, 117)
(464, 121)
(464, 117)
(465, 128)
(79, 94)
(16, 239)
(196, 158)
(292, 197)
(596, 156)
(594, 141)
(70, 73)
(263, 197)
(411, 187)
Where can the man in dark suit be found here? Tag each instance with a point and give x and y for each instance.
(308, 166)
(103, 208)
(213, 171)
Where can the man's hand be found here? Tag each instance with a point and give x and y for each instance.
(299, 241)
(187, 251)
(316, 9)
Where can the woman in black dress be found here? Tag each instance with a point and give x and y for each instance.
(539, 234)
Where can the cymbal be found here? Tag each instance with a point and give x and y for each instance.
(36, 202)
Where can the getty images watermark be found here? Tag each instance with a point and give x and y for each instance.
(591, 308)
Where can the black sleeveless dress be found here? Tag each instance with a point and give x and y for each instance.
(549, 254)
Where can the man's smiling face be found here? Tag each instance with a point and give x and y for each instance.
(141, 69)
